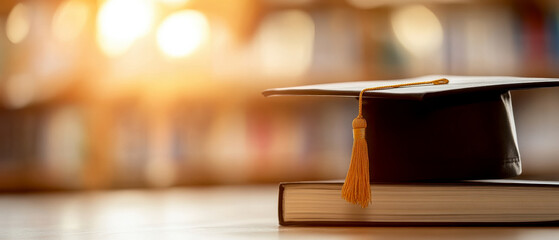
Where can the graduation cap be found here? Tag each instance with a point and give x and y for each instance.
(430, 128)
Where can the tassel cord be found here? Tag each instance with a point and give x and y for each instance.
(434, 82)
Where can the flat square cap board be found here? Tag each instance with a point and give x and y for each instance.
(456, 85)
(460, 130)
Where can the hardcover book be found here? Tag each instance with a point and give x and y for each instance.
(481, 202)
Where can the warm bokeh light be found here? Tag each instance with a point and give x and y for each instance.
(121, 22)
(18, 23)
(371, 4)
(182, 32)
(174, 3)
(418, 29)
(69, 19)
(63, 139)
(99, 94)
(286, 41)
(19, 91)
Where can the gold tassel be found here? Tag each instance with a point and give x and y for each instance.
(357, 186)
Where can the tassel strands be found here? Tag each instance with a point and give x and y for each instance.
(357, 187)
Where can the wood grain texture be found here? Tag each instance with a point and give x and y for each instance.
(229, 212)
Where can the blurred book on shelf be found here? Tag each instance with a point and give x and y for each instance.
(153, 93)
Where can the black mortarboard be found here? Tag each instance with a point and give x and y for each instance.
(431, 128)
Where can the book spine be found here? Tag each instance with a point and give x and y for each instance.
(280, 205)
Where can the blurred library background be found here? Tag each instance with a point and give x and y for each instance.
(99, 94)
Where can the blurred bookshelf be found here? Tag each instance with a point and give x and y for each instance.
(146, 93)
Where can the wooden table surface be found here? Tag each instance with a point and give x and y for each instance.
(225, 212)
